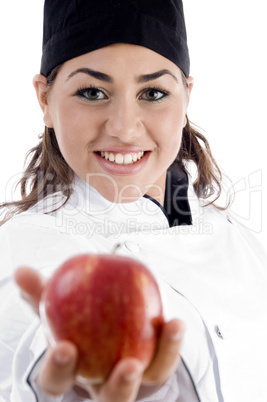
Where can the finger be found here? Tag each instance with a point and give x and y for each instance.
(168, 353)
(31, 285)
(58, 372)
(123, 383)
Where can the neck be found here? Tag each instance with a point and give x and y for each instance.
(157, 190)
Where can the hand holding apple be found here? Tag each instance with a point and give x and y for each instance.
(56, 379)
(108, 306)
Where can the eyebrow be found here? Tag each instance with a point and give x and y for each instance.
(107, 78)
(95, 74)
(154, 76)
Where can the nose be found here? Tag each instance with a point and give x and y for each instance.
(124, 120)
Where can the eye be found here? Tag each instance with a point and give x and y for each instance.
(91, 94)
(153, 94)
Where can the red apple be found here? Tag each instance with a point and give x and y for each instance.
(109, 306)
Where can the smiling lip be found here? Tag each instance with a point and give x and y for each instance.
(120, 158)
(122, 162)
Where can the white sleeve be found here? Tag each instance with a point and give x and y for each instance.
(20, 345)
(179, 388)
(32, 381)
(21, 341)
(14, 325)
(14, 319)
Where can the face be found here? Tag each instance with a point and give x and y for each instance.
(118, 115)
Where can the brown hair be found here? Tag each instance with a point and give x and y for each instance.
(209, 178)
(47, 171)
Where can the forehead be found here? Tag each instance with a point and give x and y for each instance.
(120, 57)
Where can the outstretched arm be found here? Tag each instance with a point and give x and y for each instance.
(128, 379)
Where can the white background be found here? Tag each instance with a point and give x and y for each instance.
(227, 42)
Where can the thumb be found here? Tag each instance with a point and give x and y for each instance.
(31, 285)
(57, 375)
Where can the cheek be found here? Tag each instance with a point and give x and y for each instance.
(168, 126)
(75, 128)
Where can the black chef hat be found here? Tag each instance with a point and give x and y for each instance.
(76, 27)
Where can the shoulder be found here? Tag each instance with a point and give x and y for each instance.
(38, 241)
(233, 236)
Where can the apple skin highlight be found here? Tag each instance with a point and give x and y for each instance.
(109, 306)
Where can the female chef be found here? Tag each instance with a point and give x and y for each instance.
(113, 166)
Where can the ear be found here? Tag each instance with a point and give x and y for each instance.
(40, 85)
(190, 84)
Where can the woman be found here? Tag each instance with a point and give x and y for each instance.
(111, 166)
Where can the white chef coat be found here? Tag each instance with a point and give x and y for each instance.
(212, 274)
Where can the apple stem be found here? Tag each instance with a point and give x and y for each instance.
(115, 249)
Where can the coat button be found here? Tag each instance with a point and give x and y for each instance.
(219, 332)
(132, 246)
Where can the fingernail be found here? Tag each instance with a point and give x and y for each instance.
(177, 336)
(134, 375)
(61, 359)
(131, 377)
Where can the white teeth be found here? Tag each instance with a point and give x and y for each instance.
(128, 159)
(135, 157)
(111, 158)
(120, 159)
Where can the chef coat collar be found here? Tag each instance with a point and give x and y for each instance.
(141, 215)
(176, 205)
(176, 202)
(176, 210)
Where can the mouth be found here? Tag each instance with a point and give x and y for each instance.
(122, 159)
(123, 162)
